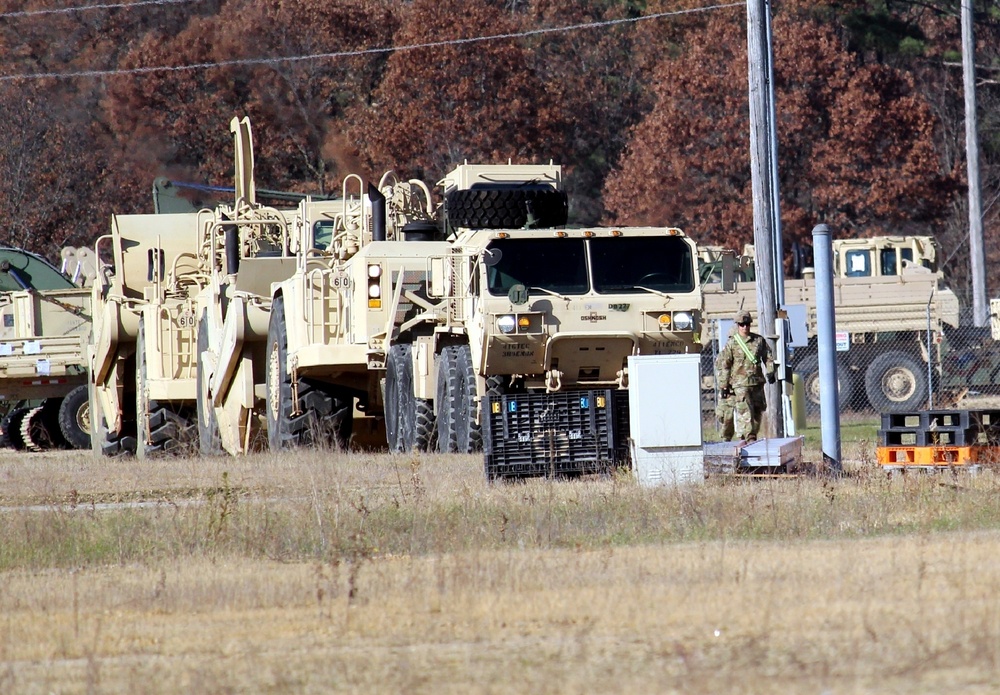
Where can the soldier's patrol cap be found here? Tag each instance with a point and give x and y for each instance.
(742, 317)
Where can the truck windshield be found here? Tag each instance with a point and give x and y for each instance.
(627, 264)
(557, 265)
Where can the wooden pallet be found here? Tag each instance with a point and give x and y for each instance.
(936, 455)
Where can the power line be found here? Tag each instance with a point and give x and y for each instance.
(347, 54)
(84, 8)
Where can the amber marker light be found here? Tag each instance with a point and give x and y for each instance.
(665, 320)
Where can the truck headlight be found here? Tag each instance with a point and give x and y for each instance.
(683, 321)
(506, 324)
(374, 290)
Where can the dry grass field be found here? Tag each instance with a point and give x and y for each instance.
(318, 572)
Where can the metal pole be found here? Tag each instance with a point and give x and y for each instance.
(977, 258)
(930, 356)
(826, 337)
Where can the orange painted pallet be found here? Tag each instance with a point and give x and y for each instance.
(936, 455)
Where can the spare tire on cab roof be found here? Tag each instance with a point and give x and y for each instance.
(507, 206)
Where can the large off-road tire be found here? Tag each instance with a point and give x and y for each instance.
(424, 430)
(457, 427)
(48, 434)
(808, 369)
(400, 410)
(283, 429)
(323, 413)
(4, 425)
(12, 427)
(162, 427)
(896, 382)
(209, 440)
(507, 207)
(103, 441)
(74, 417)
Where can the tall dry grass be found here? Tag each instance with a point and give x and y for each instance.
(319, 572)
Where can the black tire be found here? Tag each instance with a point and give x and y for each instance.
(12, 427)
(507, 208)
(209, 440)
(107, 443)
(447, 436)
(161, 427)
(74, 417)
(4, 426)
(322, 414)
(425, 432)
(896, 382)
(400, 408)
(457, 429)
(281, 433)
(808, 369)
(49, 434)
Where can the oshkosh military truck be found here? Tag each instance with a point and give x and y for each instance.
(44, 322)
(889, 297)
(541, 322)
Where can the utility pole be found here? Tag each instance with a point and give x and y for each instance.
(761, 158)
(977, 257)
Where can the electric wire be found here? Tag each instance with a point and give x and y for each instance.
(359, 52)
(84, 8)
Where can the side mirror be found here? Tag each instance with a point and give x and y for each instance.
(729, 267)
(518, 295)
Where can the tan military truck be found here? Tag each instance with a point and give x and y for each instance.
(542, 319)
(44, 323)
(889, 295)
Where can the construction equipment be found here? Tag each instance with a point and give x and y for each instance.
(142, 350)
(286, 335)
(44, 323)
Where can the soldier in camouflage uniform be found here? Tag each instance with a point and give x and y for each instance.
(743, 366)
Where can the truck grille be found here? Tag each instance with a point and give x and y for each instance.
(562, 433)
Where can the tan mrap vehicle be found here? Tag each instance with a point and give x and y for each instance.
(142, 351)
(44, 324)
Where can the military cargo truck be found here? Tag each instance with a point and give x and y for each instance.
(44, 323)
(889, 296)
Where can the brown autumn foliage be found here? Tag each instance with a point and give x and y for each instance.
(648, 118)
(856, 142)
(439, 105)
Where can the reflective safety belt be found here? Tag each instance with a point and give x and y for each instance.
(746, 349)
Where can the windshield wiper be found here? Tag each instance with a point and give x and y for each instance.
(652, 291)
(554, 294)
